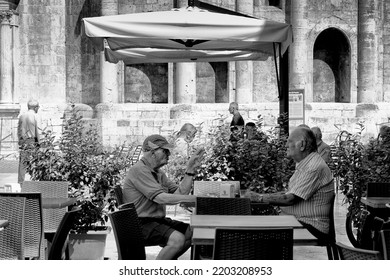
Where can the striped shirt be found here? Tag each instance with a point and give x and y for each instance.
(313, 182)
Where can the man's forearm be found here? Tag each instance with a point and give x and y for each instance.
(185, 185)
(172, 199)
(279, 199)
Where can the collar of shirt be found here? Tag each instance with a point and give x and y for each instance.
(147, 164)
(303, 163)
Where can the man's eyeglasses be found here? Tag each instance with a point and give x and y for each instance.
(166, 151)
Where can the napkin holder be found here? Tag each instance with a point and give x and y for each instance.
(226, 190)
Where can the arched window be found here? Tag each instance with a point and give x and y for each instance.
(331, 67)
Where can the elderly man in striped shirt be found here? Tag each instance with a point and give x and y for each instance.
(311, 190)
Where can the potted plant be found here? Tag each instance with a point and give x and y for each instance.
(260, 164)
(78, 157)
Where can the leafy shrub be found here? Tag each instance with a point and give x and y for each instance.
(260, 164)
(355, 164)
(79, 158)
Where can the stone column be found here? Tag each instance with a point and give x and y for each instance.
(299, 49)
(244, 69)
(109, 82)
(8, 57)
(185, 76)
(367, 52)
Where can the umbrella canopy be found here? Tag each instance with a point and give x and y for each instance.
(186, 35)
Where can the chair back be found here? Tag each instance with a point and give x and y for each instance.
(352, 253)
(385, 242)
(49, 189)
(126, 205)
(136, 155)
(253, 244)
(128, 234)
(222, 206)
(33, 230)
(378, 189)
(118, 195)
(59, 239)
(11, 238)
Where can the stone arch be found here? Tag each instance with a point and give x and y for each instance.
(332, 67)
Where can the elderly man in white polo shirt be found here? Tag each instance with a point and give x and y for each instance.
(310, 191)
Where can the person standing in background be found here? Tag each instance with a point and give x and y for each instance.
(237, 120)
(322, 148)
(28, 133)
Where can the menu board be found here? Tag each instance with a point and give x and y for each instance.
(296, 104)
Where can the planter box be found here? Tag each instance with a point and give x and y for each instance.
(88, 246)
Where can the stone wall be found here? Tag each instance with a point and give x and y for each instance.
(82, 58)
(42, 51)
(133, 122)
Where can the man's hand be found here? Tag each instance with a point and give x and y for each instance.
(195, 160)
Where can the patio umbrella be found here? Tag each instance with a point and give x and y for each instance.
(192, 35)
(186, 34)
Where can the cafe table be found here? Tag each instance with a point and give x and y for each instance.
(377, 206)
(204, 228)
(375, 202)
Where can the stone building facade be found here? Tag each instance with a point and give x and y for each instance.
(339, 59)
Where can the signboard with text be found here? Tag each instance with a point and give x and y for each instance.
(296, 99)
(296, 104)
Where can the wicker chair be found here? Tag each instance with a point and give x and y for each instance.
(126, 206)
(49, 189)
(220, 206)
(136, 155)
(253, 244)
(33, 221)
(67, 222)
(118, 195)
(223, 206)
(352, 253)
(331, 242)
(385, 242)
(128, 234)
(378, 189)
(11, 238)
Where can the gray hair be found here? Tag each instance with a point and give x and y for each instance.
(317, 132)
(310, 139)
(32, 103)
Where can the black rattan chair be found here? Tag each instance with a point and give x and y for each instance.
(253, 244)
(385, 243)
(352, 253)
(128, 234)
(11, 238)
(61, 235)
(331, 242)
(220, 206)
(223, 206)
(33, 224)
(119, 195)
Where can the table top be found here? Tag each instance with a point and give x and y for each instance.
(205, 236)
(3, 224)
(52, 203)
(245, 221)
(375, 202)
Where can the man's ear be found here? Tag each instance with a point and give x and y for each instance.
(303, 145)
